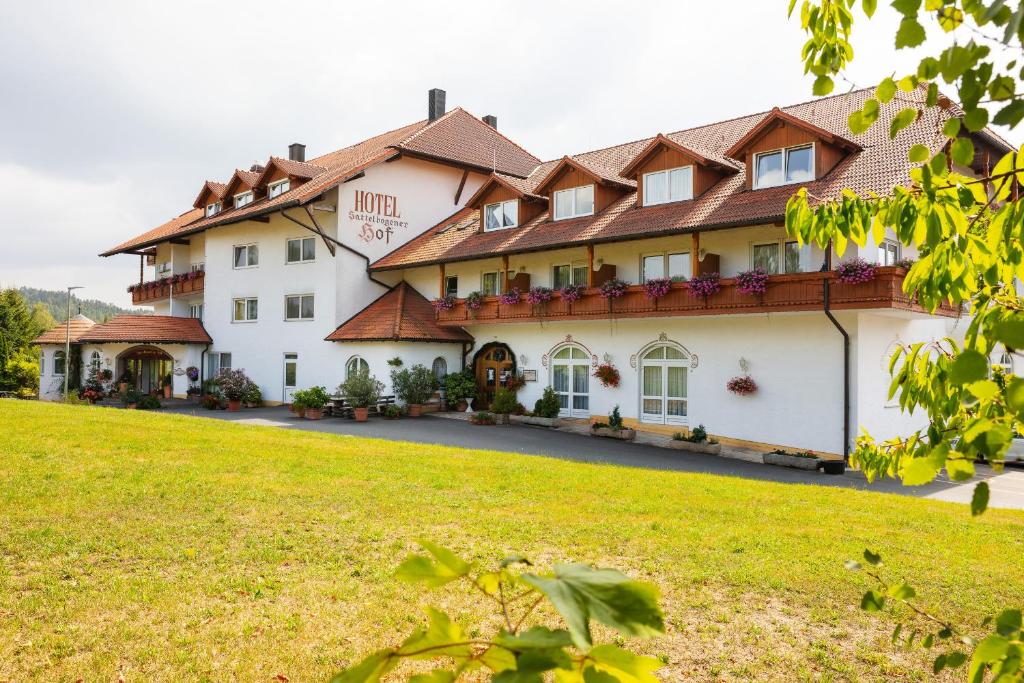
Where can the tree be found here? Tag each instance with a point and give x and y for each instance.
(42, 318)
(16, 332)
(969, 232)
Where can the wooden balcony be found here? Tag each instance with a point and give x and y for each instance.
(785, 293)
(151, 292)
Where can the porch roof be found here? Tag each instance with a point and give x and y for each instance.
(401, 314)
(79, 325)
(149, 329)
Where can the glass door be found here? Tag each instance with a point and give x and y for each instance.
(570, 378)
(291, 371)
(663, 390)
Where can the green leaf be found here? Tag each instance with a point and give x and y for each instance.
(983, 390)
(989, 651)
(1008, 622)
(873, 601)
(910, 33)
(959, 469)
(955, 659)
(447, 568)
(874, 559)
(515, 559)
(869, 7)
(908, 8)
(435, 676)
(918, 153)
(969, 366)
(1010, 332)
(532, 663)
(903, 119)
(886, 90)
(962, 151)
(939, 664)
(580, 593)
(901, 592)
(1010, 115)
(823, 85)
(369, 670)
(497, 658)
(976, 119)
(624, 665)
(917, 471)
(538, 637)
(979, 500)
(441, 638)
(951, 128)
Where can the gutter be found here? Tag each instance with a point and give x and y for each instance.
(330, 239)
(846, 355)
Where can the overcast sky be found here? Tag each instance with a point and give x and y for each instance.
(113, 114)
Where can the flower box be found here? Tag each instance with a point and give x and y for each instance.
(552, 422)
(696, 447)
(785, 460)
(609, 433)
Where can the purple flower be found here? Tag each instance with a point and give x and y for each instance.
(855, 271)
(705, 285)
(657, 287)
(614, 288)
(474, 301)
(538, 295)
(510, 297)
(444, 303)
(752, 281)
(571, 293)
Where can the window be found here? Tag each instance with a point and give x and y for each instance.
(212, 209)
(451, 285)
(576, 201)
(888, 253)
(94, 359)
(59, 362)
(195, 311)
(673, 185)
(300, 250)
(198, 267)
(439, 368)
(663, 380)
(42, 362)
(766, 256)
(216, 362)
(298, 307)
(569, 274)
(247, 256)
(162, 268)
(356, 365)
(489, 284)
(570, 379)
(245, 310)
(1005, 362)
(243, 198)
(279, 188)
(674, 265)
(784, 166)
(501, 215)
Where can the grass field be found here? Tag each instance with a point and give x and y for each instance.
(173, 548)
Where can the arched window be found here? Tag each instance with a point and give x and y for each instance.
(440, 368)
(1006, 362)
(355, 365)
(42, 362)
(59, 362)
(663, 379)
(94, 359)
(570, 378)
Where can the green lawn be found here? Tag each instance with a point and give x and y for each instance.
(176, 548)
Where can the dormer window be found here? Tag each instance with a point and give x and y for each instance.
(212, 209)
(243, 198)
(673, 185)
(279, 188)
(501, 215)
(574, 202)
(784, 166)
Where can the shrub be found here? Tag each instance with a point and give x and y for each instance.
(234, 384)
(697, 435)
(392, 412)
(130, 396)
(615, 420)
(657, 287)
(608, 374)
(361, 389)
(614, 288)
(705, 285)
(515, 382)
(316, 398)
(212, 402)
(148, 402)
(459, 386)
(253, 395)
(396, 362)
(482, 417)
(752, 281)
(504, 402)
(855, 271)
(548, 404)
(571, 293)
(414, 385)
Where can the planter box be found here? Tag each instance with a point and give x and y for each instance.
(702, 447)
(538, 421)
(790, 461)
(501, 418)
(609, 433)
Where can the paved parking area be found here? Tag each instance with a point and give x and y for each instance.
(1007, 488)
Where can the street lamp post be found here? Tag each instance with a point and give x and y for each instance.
(67, 344)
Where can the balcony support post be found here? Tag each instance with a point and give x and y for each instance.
(590, 265)
(440, 268)
(142, 260)
(694, 254)
(504, 274)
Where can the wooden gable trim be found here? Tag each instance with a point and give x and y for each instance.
(486, 188)
(233, 185)
(773, 118)
(570, 163)
(207, 189)
(632, 170)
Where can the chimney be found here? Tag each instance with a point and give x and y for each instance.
(435, 104)
(256, 168)
(491, 121)
(297, 151)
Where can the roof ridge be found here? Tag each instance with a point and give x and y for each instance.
(503, 136)
(430, 124)
(378, 135)
(399, 308)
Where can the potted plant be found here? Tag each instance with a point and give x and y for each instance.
(123, 382)
(148, 402)
(130, 398)
(705, 285)
(211, 401)
(742, 386)
(571, 293)
(614, 428)
(608, 375)
(459, 387)
(753, 282)
(503, 405)
(234, 384)
(315, 398)
(414, 386)
(545, 410)
(168, 385)
(856, 271)
(657, 287)
(696, 441)
(299, 403)
(361, 390)
(392, 412)
(801, 460)
(253, 396)
(482, 417)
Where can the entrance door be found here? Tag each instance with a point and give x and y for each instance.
(570, 378)
(291, 371)
(494, 365)
(663, 386)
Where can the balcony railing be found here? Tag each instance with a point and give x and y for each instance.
(785, 293)
(180, 285)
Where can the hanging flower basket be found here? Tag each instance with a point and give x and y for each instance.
(511, 297)
(856, 271)
(614, 288)
(571, 293)
(655, 288)
(444, 303)
(193, 373)
(752, 282)
(608, 374)
(474, 301)
(705, 285)
(539, 295)
(742, 386)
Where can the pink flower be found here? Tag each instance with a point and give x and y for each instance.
(657, 287)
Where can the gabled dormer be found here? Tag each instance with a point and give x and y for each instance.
(210, 198)
(786, 150)
(576, 188)
(281, 175)
(241, 188)
(504, 202)
(665, 171)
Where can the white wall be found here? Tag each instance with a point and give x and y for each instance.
(377, 355)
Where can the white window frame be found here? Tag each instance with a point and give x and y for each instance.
(664, 255)
(197, 308)
(668, 186)
(278, 188)
(246, 299)
(501, 209)
(201, 265)
(570, 393)
(573, 266)
(60, 352)
(42, 362)
(886, 244)
(449, 290)
(95, 360)
(248, 248)
(216, 362)
(785, 156)
(300, 240)
(213, 209)
(574, 213)
(300, 297)
(355, 359)
(243, 199)
(781, 244)
(497, 282)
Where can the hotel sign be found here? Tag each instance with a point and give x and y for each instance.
(378, 216)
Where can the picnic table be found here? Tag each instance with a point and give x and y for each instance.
(340, 406)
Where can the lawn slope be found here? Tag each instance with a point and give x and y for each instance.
(175, 548)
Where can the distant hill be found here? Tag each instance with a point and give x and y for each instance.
(57, 303)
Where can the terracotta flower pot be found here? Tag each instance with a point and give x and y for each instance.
(299, 412)
(415, 409)
(122, 387)
(314, 413)
(234, 405)
(167, 391)
(461, 406)
(362, 414)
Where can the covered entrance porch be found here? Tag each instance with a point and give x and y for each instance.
(147, 368)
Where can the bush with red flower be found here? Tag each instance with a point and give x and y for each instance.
(744, 386)
(614, 288)
(657, 287)
(571, 293)
(752, 281)
(444, 303)
(705, 285)
(608, 375)
(856, 271)
(511, 297)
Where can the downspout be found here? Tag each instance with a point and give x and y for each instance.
(827, 282)
(344, 246)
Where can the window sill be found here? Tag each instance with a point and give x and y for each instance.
(299, 320)
(244, 267)
(668, 201)
(569, 218)
(792, 182)
(243, 322)
(299, 263)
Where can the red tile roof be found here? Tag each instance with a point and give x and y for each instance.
(457, 137)
(149, 329)
(878, 167)
(401, 314)
(209, 187)
(79, 325)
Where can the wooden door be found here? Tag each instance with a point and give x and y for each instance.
(493, 368)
